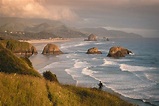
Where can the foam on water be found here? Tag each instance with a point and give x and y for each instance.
(94, 59)
(79, 64)
(152, 76)
(70, 72)
(132, 76)
(81, 44)
(87, 71)
(99, 43)
(125, 67)
(107, 62)
(70, 45)
(132, 54)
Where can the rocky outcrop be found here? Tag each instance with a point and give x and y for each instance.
(25, 49)
(93, 50)
(19, 48)
(117, 52)
(92, 37)
(51, 49)
(10, 63)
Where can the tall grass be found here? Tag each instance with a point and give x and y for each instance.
(24, 90)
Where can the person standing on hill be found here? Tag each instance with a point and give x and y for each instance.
(100, 85)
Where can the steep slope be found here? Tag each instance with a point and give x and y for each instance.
(9, 63)
(21, 90)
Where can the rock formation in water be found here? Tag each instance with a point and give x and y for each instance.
(118, 52)
(93, 50)
(51, 49)
(92, 37)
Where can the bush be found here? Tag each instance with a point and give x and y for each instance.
(49, 76)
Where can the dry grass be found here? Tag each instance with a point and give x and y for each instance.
(24, 90)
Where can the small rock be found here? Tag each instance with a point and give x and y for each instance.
(93, 50)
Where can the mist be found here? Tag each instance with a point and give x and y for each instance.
(141, 16)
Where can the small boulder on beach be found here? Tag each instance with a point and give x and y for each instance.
(118, 51)
(93, 50)
(51, 49)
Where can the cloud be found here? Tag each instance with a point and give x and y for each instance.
(35, 9)
(135, 14)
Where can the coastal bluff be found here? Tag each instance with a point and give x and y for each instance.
(19, 48)
(93, 50)
(117, 51)
(51, 49)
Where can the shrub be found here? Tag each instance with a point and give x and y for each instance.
(49, 76)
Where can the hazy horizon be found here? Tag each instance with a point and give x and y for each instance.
(141, 17)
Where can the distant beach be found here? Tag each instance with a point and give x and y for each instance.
(33, 41)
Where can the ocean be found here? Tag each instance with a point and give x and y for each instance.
(135, 77)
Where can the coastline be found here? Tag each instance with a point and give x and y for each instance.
(65, 78)
(40, 61)
(38, 41)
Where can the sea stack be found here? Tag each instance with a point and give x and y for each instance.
(93, 50)
(92, 37)
(118, 51)
(51, 49)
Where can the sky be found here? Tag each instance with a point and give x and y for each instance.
(138, 16)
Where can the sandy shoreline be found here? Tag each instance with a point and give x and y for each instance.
(37, 41)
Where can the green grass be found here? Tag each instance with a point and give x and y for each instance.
(24, 90)
(9, 63)
(14, 45)
(17, 47)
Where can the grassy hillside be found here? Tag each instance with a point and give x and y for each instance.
(9, 63)
(22, 90)
(17, 46)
